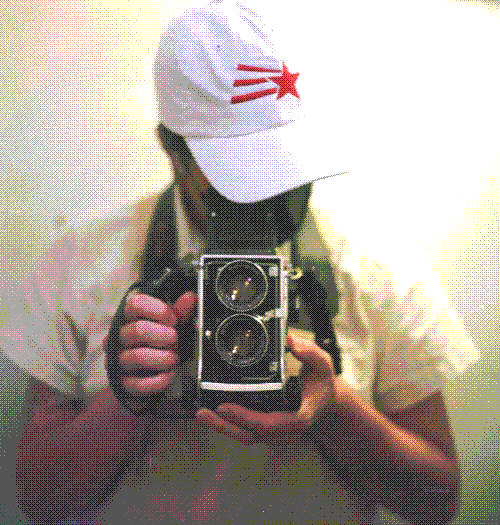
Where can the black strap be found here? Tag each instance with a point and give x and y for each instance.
(167, 287)
(160, 264)
(314, 295)
(161, 276)
(317, 291)
(162, 241)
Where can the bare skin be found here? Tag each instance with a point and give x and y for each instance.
(72, 450)
(149, 340)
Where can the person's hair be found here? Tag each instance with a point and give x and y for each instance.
(172, 141)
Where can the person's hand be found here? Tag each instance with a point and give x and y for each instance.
(318, 395)
(148, 341)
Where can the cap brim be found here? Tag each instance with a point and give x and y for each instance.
(250, 168)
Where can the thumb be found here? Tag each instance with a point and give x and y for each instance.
(308, 352)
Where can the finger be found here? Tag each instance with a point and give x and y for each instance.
(147, 333)
(184, 307)
(138, 386)
(140, 358)
(316, 399)
(269, 426)
(215, 422)
(142, 306)
(308, 352)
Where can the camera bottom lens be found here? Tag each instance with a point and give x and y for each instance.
(241, 340)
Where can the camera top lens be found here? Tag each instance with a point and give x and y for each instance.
(241, 285)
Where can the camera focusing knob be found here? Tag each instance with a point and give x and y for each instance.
(294, 273)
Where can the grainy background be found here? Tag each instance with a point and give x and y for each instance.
(413, 84)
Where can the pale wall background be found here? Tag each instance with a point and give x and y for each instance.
(414, 89)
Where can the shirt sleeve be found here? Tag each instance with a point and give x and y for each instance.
(399, 335)
(419, 340)
(35, 332)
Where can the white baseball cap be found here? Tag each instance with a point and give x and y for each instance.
(232, 86)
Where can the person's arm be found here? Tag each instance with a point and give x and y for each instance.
(406, 464)
(404, 461)
(71, 453)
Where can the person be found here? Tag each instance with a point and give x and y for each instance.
(234, 121)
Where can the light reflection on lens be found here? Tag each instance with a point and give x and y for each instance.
(241, 340)
(241, 285)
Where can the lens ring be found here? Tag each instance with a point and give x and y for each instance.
(241, 340)
(241, 285)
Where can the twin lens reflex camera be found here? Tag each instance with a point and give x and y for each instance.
(242, 319)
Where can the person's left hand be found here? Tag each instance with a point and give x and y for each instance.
(317, 378)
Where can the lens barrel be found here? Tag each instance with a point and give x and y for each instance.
(241, 340)
(241, 286)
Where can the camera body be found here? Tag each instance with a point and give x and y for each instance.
(244, 292)
(242, 319)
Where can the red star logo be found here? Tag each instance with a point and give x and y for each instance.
(286, 83)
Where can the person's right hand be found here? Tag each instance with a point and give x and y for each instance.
(148, 340)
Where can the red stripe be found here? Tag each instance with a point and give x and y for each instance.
(249, 81)
(252, 96)
(243, 67)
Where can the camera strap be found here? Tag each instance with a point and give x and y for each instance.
(313, 289)
(313, 295)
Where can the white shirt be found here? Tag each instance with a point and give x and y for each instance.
(400, 339)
